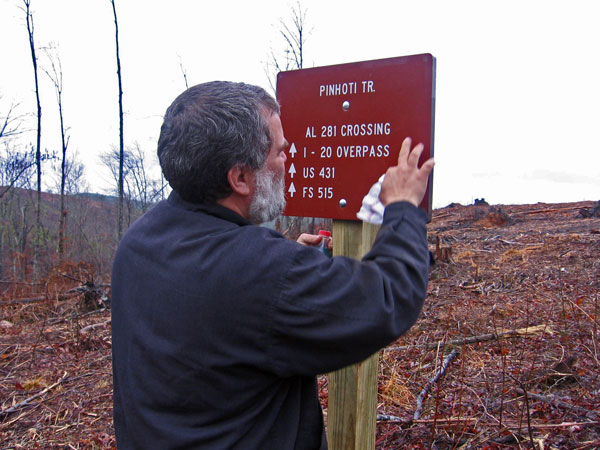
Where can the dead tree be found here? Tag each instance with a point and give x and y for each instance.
(38, 151)
(15, 170)
(13, 164)
(121, 145)
(293, 33)
(74, 176)
(56, 76)
(294, 36)
(141, 190)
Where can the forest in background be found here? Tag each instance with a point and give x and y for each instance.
(90, 236)
(48, 218)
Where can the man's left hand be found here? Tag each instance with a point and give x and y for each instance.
(313, 239)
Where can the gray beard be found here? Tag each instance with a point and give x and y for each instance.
(268, 201)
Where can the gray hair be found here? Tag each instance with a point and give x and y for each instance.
(209, 129)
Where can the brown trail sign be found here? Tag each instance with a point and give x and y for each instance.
(345, 125)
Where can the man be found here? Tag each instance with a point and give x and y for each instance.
(220, 326)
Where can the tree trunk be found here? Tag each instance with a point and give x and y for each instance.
(38, 153)
(63, 211)
(121, 145)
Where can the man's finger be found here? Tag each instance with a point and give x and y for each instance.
(426, 168)
(413, 158)
(309, 239)
(404, 150)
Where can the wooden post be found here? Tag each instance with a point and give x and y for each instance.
(352, 403)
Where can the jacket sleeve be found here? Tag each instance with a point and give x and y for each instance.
(332, 312)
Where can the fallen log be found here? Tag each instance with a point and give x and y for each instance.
(41, 298)
(542, 211)
(481, 338)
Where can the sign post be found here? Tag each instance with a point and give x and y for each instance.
(352, 401)
(345, 125)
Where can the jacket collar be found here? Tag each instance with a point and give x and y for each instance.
(212, 209)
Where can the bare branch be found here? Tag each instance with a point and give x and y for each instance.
(13, 167)
(140, 189)
(184, 72)
(8, 128)
(294, 35)
(431, 382)
(28, 400)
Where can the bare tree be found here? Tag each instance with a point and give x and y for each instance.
(13, 164)
(15, 167)
(141, 189)
(74, 175)
(16, 170)
(56, 76)
(121, 145)
(20, 227)
(294, 34)
(38, 151)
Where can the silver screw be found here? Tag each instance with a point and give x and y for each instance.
(346, 105)
(343, 203)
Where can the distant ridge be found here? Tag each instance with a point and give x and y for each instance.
(110, 199)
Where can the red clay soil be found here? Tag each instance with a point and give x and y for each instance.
(512, 316)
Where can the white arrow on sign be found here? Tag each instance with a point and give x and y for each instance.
(293, 150)
(292, 170)
(292, 190)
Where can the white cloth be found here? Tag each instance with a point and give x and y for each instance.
(371, 210)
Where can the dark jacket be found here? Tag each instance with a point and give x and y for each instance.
(220, 327)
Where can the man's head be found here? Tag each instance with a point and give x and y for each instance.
(268, 197)
(214, 127)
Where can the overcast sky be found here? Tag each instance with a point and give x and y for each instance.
(518, 91)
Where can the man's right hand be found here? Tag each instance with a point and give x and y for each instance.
(406, 181)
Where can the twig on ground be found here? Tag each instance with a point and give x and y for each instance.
(557, 402)
(28, 400)
(76, 316)
(89, 328)
(431, 382)
(548, 426)
(440, 420)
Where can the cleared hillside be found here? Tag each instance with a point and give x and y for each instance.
(514, 297)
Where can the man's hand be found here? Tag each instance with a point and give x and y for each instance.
(406, 181)
(313, 239)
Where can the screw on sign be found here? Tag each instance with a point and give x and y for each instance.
(346, 124)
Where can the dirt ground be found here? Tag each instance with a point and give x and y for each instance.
(504, 356)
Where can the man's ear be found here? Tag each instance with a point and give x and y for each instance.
(241, 179)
